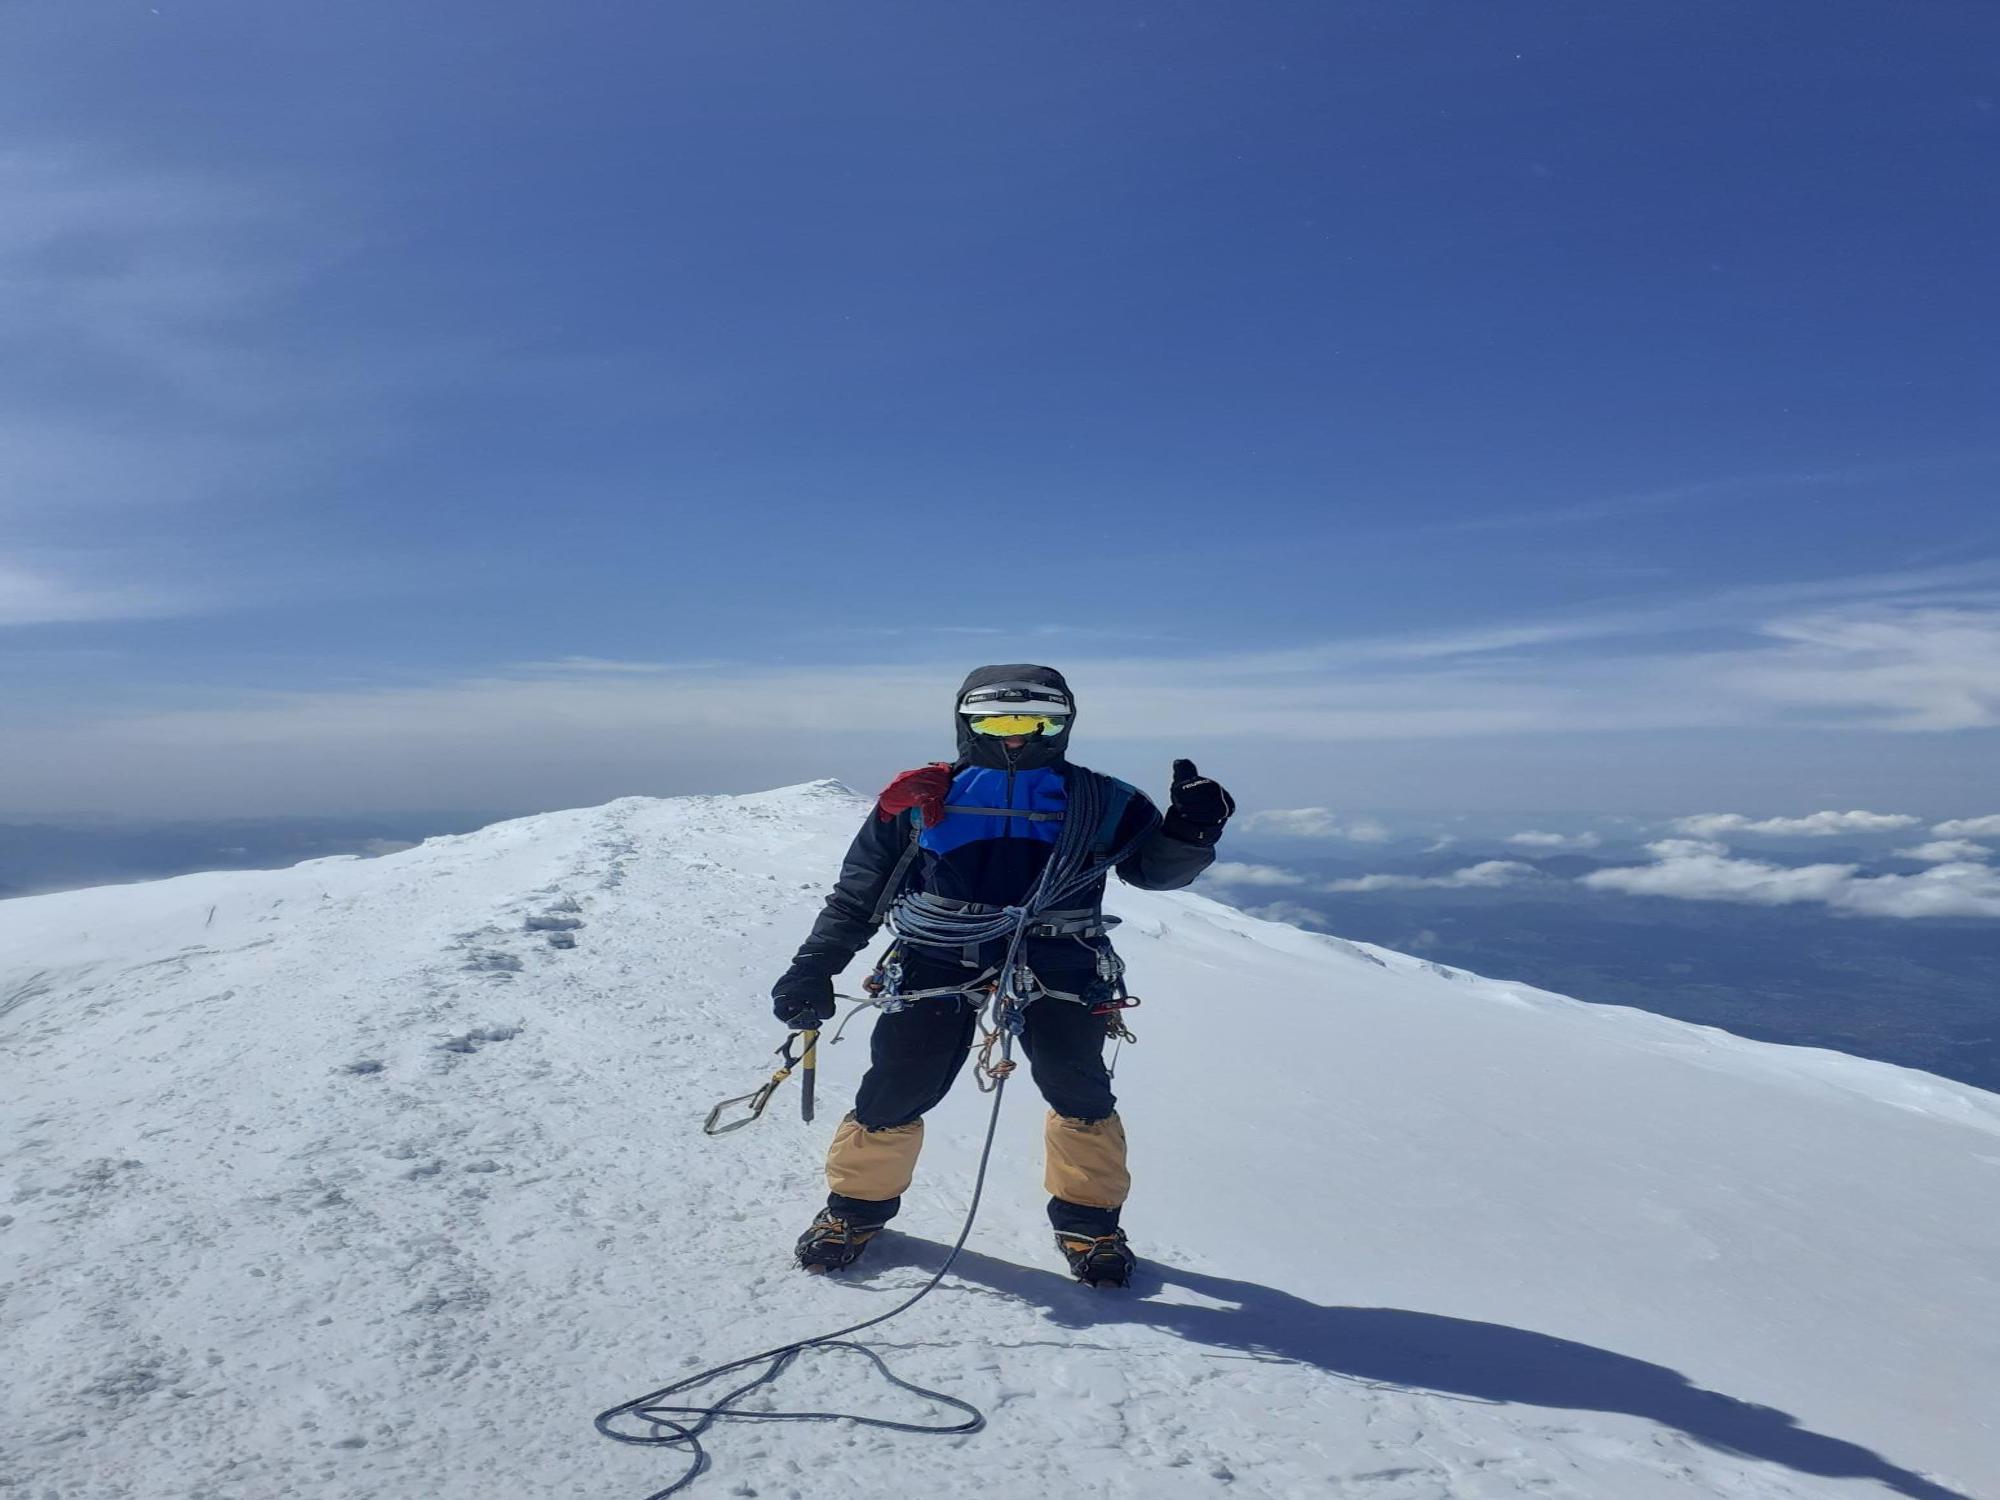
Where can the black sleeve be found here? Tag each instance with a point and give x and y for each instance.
(1163, 862)
(847, 921)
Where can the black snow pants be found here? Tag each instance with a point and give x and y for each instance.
(915, 1055)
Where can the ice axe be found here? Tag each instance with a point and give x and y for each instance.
(807, 1060)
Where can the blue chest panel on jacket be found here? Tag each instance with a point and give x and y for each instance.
(1011, 796)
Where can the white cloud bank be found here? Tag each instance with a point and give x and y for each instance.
(1227, 872)
(1987, 827)
(1313, 823)
(1487, 875)
(1946, 852)
(1814, 825)
(1701, 870)
(1535, 838)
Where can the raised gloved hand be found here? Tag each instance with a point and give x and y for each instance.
(925, 788)
(802, 1001)
(1199, 807)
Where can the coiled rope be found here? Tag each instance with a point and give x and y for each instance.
(921, 918)
(1070, 870)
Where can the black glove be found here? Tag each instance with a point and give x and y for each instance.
(1199, 806)
(802, 1001)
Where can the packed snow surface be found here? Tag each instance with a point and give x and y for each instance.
(353, 1179)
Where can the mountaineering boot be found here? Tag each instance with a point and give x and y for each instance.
(1105, 1260)
(832, 1242)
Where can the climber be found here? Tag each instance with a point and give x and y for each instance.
(975, 833)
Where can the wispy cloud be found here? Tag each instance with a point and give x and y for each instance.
(1912, 669)
(148, 389)
(134, 308)
(1312, 823)
(1642, 502)
(34, 595)
(1827, 824)
(588, 665)
(157, 384)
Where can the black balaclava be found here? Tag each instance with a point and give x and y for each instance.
(986, 749)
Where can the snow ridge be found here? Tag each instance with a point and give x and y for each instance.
(378, 1177)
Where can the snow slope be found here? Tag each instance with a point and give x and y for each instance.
(343, 1181)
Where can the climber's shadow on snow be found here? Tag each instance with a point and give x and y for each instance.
(1453, 1356)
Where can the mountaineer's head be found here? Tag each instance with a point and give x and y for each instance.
(1015, 717)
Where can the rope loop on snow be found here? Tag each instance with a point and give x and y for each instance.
(665, 1424)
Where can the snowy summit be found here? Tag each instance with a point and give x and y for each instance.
(381, 1177)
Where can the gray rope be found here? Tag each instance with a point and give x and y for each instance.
(667, 1431)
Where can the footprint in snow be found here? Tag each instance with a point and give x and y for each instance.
(474, 1039)
(551, 921)
(492, 963)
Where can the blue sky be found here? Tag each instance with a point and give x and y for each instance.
(1496, 406)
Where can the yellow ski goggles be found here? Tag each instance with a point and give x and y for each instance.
(1021, 724)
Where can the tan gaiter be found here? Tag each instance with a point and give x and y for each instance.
(873, 1164)
(1085, 1160)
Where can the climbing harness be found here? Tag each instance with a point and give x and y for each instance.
(1070, 869)
(807, 1062)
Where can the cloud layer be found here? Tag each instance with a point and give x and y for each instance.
(1699, 870)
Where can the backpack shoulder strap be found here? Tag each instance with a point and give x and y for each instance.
(899, 875)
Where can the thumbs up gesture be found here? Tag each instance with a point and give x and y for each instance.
(1199, 807)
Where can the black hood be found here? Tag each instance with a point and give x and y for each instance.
(984, 749)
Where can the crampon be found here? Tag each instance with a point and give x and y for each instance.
(1102, 1260)
(833, 1243)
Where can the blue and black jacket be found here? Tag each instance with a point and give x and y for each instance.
(1001, 825)
(999, 830)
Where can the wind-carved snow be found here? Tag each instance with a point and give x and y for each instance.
(351, 1180)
